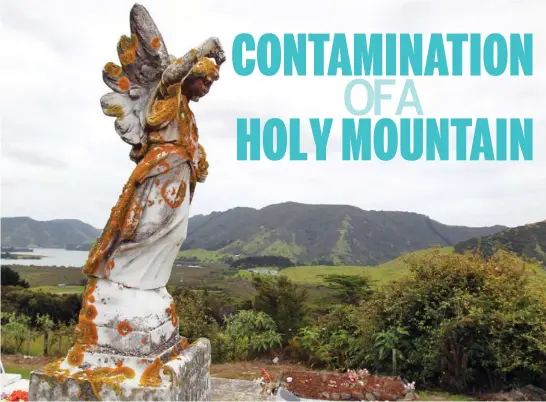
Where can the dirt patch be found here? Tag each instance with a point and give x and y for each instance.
(27, 362)
(251, 370)
(330, 386)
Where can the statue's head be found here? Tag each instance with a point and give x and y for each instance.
(197, 84)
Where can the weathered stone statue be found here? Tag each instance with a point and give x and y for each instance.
(127, 345)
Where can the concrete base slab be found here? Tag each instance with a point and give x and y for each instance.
(185, 376)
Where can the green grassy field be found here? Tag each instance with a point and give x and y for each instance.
(60, 289)
(380, 274)
(217, 276)
(202, 255)
(17, 369)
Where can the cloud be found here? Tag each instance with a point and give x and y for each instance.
(62, 157)
(33, 158)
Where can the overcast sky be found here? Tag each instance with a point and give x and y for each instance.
(61, 157)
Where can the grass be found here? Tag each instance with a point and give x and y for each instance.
(202, 255)
(36, 347)
(60, 289)
(18, 369)
(441, 396)
(50, 276)
(381, 274)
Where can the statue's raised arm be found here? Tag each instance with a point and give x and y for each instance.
(178, 71)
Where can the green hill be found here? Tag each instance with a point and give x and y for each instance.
(23, 231)
(323, 234)
(528, 241)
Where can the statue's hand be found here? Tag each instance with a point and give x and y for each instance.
(213, 49)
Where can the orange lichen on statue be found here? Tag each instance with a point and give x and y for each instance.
(85, 332)
(75, 356)
(156, 154)
(124, 328)
(155, 136)
(54, 370)
(164, 165)
(120, 369)
(187, 128)
(88, 312)
(115, 111)
(124, 84)
(150, 377)
(108, 268)
(126, 43)
(171, 310)
(205, 67)
(202, 169)
(173, 198)
(184, 344)
(127, 49)
(109, 376)
(155, 43)
(132, 219)
(113, 70)
(143, 341)
(162, 111)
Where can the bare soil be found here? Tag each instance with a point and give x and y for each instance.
(251, 370)
(330, 386)
(22, 362)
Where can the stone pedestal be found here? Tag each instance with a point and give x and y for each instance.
(180, 373)
(127, 348)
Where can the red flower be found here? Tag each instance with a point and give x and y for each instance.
(18, 396)
(266, 376)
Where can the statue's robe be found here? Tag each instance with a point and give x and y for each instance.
(149, 223)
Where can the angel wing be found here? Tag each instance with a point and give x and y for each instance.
(143, 58)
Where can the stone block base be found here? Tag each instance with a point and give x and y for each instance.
(183, 377)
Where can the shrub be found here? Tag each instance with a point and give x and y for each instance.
(466, 323)
(333, 341)
(249, 333)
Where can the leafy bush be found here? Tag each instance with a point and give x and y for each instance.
(249, 333)
(333, 341)
(463, 322)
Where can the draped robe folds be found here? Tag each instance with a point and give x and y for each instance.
(149, 223)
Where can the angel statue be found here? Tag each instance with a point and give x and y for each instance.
(128, 326)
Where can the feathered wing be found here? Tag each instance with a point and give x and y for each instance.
(143, 58)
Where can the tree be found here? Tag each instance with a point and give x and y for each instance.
(349, 289)
(45, 324)
(15, 329)
(9, 277)
(282, 300)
